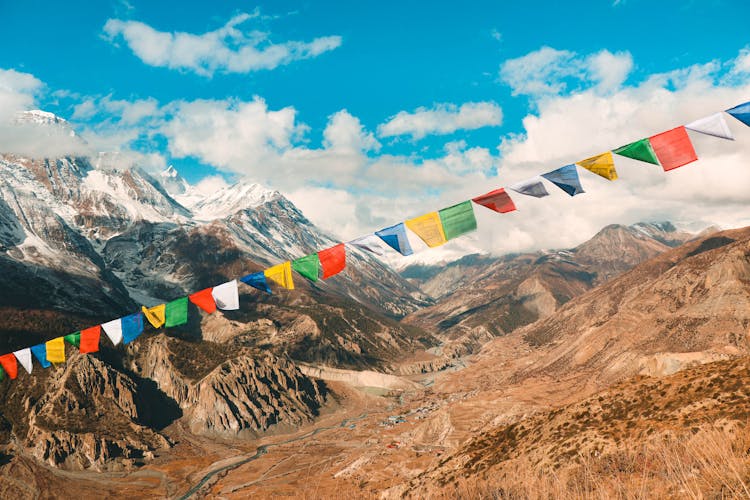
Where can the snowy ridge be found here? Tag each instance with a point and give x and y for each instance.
(226, 201)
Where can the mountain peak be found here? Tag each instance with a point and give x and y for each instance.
(231, 199)
(173, 182)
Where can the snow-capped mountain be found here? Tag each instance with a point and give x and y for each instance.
(173, 182)
(226, 201)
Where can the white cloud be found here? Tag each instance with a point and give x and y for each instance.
(17, 92)
(442, 119)
(227, 49)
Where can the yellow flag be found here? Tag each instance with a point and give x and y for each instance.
(603, 164)
(157, 315)
(56, 350)
(281, 274)
(429, 228)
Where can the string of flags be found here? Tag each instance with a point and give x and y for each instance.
(670, 150)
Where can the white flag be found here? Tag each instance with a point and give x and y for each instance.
(370, 243)
(714, 125)
(113, 329)
(226, 296)
(24, 357)
(530, 187)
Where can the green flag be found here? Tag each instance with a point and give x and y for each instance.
(73, 339)
(176, 312)
(457, 220)
(2, 374)
(307, 266)
(638, 150)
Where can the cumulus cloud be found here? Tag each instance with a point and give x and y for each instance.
(442, 119)
(227, 49)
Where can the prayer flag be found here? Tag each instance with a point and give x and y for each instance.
(113, 329)
(332, 260)
(395, 237)
(370, 243)
(281, 274)
(204, 299)
(673, 148)
(40, 353)
(429, 228)
(73, 339)
(530, 187)
(308, 266)
(741, 112)
(8, 362)
(227, 296)
(566, 178)
(90, 339)
(602, 165)
(714, 125)
(639, 150)
(497, 200)
(24, 358)
(132, 327)
(55, 350)
(176, 312)
(257, 280)
(458, 219)
(156, 315)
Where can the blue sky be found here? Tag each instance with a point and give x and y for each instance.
(95, 63)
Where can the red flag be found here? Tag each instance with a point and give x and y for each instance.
(8, 362)
(497, 200)
(673, 148)
(90, 339)
(332, 260)
(204, 299)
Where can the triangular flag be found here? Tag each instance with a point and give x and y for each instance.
(566, 178)
(458, 219)
(258, 281)
(8, 362)
(176, 312)
(530, 187)
(308, 266)
(113, 329)
(40, 353)
(156, 315)
(395, 237)
(741, 112)
(281, 274)
(24, 358)
(90, 339)
(204, 299)
(638, 150)
(714, 125)
(429, 228)
(73, 339)
(332, 260)
(673, 148)
(603, 165)
(55, 350)
(227, 296)
(369, 243)
(132, 327)
(497, 200)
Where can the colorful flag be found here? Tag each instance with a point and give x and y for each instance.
(673, 148)
(741, 112)
(602, 165)
(369, 243)
(395, 237)
(281, 274)
(24, 358)
(55, 350)
(332, 260)
(638, 150)
(566, 178)
(156, 315)
(227, 296)
(73, 339)
(458, 219)
(40, 353)
(530, 187)
(257, 280)
(113, 329)
(204, 299)
(90, 339)
(176, 312)
(714, 125)
(497, 200)
(8, 362)
(428, 228)
(132, 327)
(308, 266)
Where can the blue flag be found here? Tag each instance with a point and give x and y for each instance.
(566, 178)
(741, 112)
(40, 353)
(132, 327)
(257, 280)
(395, 237)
